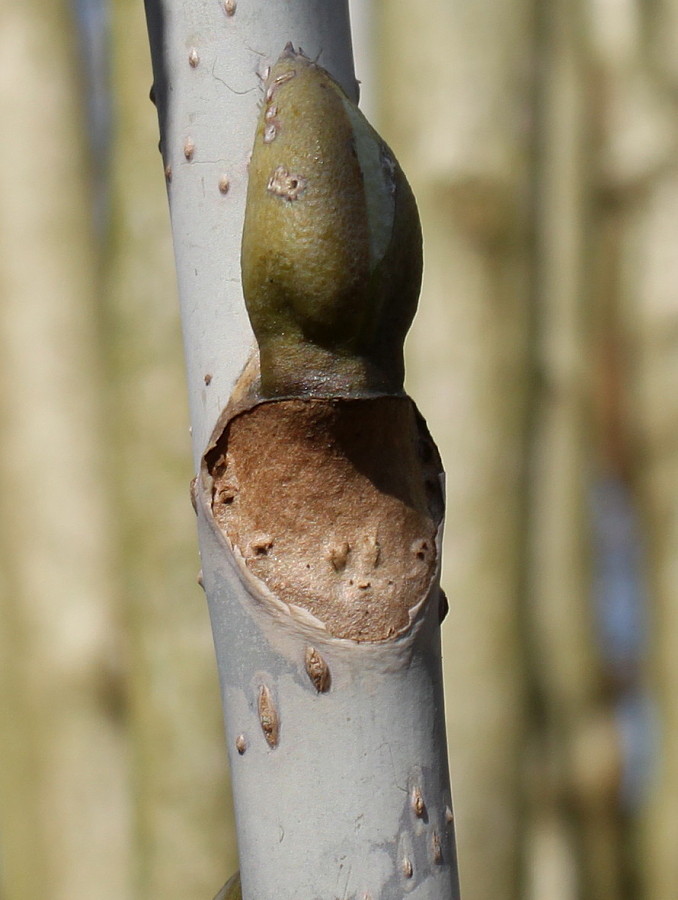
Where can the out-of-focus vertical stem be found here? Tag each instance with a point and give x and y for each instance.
(644, 150)
(575, 754)
(63, 815)
(455, 91)
(653, 321)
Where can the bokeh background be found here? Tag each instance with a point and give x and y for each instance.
(541, 139)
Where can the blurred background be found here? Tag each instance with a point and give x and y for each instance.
(541, 139)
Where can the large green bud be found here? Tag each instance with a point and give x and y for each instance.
(331, 249)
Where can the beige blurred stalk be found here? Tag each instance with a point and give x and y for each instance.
(493, 108)
(637, 50)
(575, 751)
(455, 92)
(64, 814)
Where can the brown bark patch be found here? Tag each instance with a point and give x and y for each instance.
(334, 505)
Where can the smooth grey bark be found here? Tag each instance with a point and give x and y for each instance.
(339, 792)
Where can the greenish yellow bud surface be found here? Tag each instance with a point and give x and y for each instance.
(331, 250)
